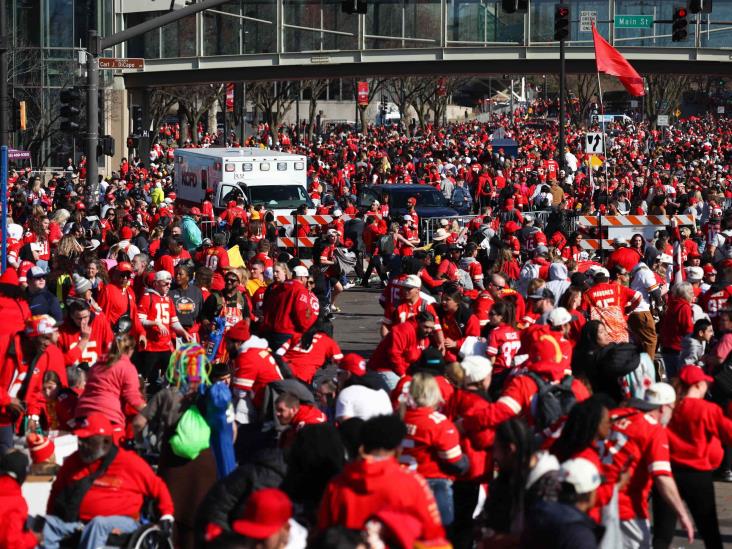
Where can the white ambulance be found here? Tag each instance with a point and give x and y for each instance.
(277, 180)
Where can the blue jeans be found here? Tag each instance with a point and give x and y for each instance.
(672, 362)
(442, 490)
(94, 534)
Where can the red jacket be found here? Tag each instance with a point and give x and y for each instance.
(289, 308)
(115, 302)
(698, 433)
(14, 510)
(304, 363)
(307, 415)
(398, 349)
(626, 257)
(14, 314)
(476, 444)
(432, 439)
(367, 486)
(254, 366)
(121, 490)
(677, 323)
(518, 395)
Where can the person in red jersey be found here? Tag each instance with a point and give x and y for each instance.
(610, 303)
(698, 433)
(519, 391)
(312, 352)
(157, 315)
(294, 415)
(638, 443)
(412, 302)
(289, 309)
(503, 343)
(114, 500)
(117, 300)
(84, 336)
(214, 256)
(175, 254)
(254, 368)
(13, 305)
(715, 299)
(375, 481)
(457, 321)
(401, 347)
(432, 446)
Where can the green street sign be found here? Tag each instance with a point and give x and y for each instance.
(633, 21)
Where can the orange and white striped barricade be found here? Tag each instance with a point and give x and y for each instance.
(625, 226)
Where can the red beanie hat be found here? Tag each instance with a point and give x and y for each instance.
(41, 448)
(10, 276)
(125, 233)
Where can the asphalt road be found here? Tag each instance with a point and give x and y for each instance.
(356, 329)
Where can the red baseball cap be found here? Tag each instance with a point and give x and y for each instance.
(125, 233)
(353, 363)
(124, 266)
(239, 331)
(266, 511)
(195, 211)
(709, 269)
(691, 374)
(80, 206)
(91, 425)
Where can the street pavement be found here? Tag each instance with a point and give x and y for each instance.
(356, 329)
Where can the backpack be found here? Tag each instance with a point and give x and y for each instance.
(386, 244)
(529, 272)
(192, 434)
(553, 401)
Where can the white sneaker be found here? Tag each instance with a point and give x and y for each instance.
(348, 285)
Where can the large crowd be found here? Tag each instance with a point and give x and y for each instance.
(168, 365)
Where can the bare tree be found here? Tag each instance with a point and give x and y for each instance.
(193, 103)
(440, 92)
(405, 92)
(584, 89)
(274, 100)
(664, 94)
(161, 103)
(316, 87)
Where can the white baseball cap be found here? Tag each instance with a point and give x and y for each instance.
(665, 258)
(476, 368)
(300, 270)
(412, 281)
(660, 394)
(694, 274)
(581, 474)
(162, 275)
(337, 213)
(407, 217)
(559, 316)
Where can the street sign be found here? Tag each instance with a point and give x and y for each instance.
(121, 63)
(14, 154)
(633, 103)
(662, 120)
(720, 109)
(587, 18)
(633, 21)
(594, 143)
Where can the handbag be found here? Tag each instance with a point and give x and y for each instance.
(192, 434)
(124, 322)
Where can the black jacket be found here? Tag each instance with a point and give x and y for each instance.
(553, 525)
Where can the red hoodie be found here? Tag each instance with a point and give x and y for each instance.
(369, 485)
(697, 432)
(14, 510)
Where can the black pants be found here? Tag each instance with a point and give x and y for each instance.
(375, 264)
(465, 498)
(152, 366)
(697, 490)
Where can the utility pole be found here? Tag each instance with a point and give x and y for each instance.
(95, 46)
(4, 95)
(562, 99)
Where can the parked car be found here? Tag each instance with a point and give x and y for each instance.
(430, 202)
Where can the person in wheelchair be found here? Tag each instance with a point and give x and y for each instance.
(101, 489)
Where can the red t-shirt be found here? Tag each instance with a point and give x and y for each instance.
(503, 344)
(305, 362)
(431, 439)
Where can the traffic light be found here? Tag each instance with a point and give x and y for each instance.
(136, 120)
(352, 7)
(105, 146)
(18, 115)
(561, 21)
(513, 6)
(133, 142)
(700, 6)
(70, 110)
(679, 25)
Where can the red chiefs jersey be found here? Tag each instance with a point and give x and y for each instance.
(168, 262)
(476, 445)
(391, 296)
(153, 307)
(431, 439)
(305, 362)
(216, 259)
(638, 443)
(97, 347)
(482, 306)
(610, 303)
(254, 368)
(714, 301)
(307, 415)
(289, 308)
(698, 433)
(503, 344)
(407, 311)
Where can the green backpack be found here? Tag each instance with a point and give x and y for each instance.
(192, 434)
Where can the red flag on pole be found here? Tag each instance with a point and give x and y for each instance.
(610, 61)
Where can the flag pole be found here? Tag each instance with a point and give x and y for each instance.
(604, 153)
